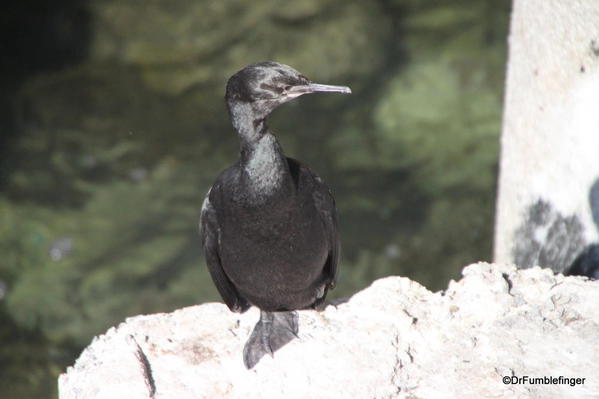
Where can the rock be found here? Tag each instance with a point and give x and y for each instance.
(548, 203)
(394, 339)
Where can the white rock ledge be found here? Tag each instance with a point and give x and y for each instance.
(394, 339)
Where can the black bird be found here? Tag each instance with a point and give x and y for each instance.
(586, 264)
(268, 224)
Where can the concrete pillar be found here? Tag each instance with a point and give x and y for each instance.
(548, 204)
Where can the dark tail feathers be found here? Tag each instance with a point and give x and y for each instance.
(272, 332)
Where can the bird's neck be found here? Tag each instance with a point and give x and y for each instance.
(265, 172)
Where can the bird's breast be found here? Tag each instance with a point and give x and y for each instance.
(279, 246)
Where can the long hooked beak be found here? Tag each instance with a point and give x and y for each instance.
(315, 88)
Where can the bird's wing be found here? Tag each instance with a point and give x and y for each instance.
(325, 205)
(209, 235)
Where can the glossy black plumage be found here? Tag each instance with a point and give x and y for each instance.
(268, 224)
(280, 254)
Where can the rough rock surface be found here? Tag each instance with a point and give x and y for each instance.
(394, 339)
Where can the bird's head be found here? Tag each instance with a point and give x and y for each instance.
(260, 88)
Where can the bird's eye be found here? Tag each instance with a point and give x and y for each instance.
(287, 88)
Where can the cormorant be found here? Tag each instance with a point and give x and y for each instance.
(586, 264)
(268, 224)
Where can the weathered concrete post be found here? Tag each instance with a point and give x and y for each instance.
(548, 205)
